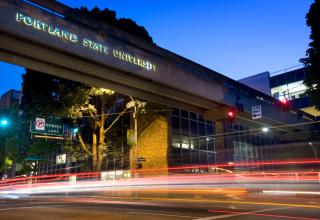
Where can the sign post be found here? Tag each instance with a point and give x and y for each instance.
(256, 112)
(61, 159)
(50, 127)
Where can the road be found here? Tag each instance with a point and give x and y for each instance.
(54, 207)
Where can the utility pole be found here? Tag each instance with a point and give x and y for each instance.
(137, 106)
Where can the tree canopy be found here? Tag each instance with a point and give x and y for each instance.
(125, 24)
(312, 59)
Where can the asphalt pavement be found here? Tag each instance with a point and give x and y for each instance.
(56, 207)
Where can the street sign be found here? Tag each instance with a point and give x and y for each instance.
(44, 126)
(141, 159)
(40, 124)
(256, 112)
(61, 159)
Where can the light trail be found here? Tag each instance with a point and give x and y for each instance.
(288, 192)
(260, 214)
(188, 200)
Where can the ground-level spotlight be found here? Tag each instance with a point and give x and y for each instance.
(265, 129)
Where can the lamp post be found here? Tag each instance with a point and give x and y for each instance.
(135, 117)
(4, 122)
(133, 104)
(137, 106)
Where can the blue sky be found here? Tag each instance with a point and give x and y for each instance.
(237, 38)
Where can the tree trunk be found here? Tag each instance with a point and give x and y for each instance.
(101, 143)
(94, 152)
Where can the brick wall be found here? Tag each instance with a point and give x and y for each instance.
(153, 145)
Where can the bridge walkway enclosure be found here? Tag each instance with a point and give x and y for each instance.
(50, 37)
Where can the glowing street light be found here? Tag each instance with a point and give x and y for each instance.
(265, 129)
(75, 130)
(4, 122)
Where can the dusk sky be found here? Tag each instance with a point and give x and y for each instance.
(237, 38)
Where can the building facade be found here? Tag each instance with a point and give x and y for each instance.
(286, 84)
(10, 99)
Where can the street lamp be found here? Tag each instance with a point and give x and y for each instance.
(137, 106)
(4, 122)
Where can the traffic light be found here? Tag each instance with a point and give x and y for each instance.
(223, 113)
(285, 104)
(231, 114)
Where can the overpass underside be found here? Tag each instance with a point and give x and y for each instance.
(37, 57)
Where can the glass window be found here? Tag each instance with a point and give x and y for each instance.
(184, 125)
(175, 123)
(185, 142)
(200, 118)
(203, 157)
(209, 129)
(184, 114)
(175, 156)
(176, 112)
(202, 129)
(211, 142)
(195, 157)
(176, 143)
(186, 157)
(194, 143)
(193, 116)
(202, 143)
(193, 128)
(211, 159)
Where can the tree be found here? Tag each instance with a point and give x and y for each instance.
(93, 109)
(312, 59)
(109, 17)
(101, 108)
(10, 141)
(41, 146)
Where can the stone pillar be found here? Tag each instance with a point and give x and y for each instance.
(153, 143)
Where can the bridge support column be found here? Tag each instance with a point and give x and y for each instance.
(153, 148)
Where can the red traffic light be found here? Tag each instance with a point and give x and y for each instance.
(231, 114)
(285, 104)
(284, 101)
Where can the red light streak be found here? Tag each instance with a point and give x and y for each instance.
(261, 214)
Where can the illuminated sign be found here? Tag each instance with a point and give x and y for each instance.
(39, 25)
(85, 42)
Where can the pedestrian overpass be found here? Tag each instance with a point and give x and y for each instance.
(50, 37)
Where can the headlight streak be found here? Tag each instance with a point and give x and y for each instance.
(235, 213)
(228, 183)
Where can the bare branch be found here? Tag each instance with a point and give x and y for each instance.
(94, 118)
(115, 120)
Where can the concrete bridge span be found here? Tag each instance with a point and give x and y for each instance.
(50, 37)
